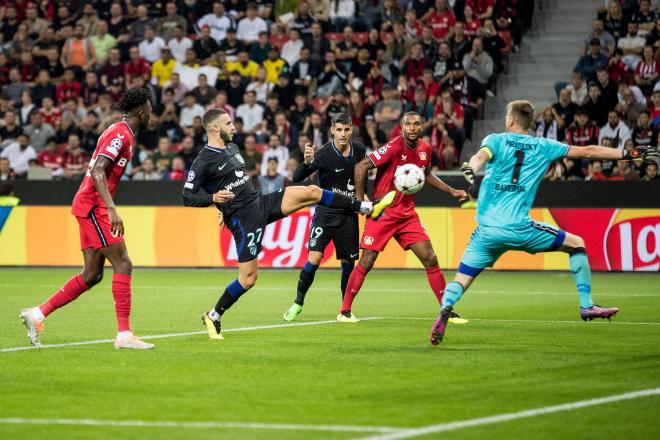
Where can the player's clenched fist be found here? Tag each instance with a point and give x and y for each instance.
(309, 153)
(223, 196)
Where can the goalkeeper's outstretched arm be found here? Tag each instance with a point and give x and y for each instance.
(606, 153)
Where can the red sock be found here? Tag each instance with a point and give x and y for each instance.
(353, 287)
(437, 282)
(121, 291)
(70, 291)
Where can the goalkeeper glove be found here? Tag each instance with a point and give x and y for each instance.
(650, 155)
(468, 173)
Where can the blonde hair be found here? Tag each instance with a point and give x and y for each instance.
(522, 112)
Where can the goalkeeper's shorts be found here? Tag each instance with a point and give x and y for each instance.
(488, 243)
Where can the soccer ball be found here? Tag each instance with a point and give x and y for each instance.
(409, 179)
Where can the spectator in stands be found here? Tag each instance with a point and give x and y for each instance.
(591, 62)
(460, 45)
(15, 87)
(20, 153)
(260, 48)
(136, 66)
(251, 156)
(6, 173)
(179, 88)
(204, 93)
(577, 87)
(632, 46)
(113, 68)
(188, 151)
(148, 171)
(415, 64)
(644, 16)
(644, 135)
(231, 46)
(102, 42)
(442, 21)
(178, 171)
(564, 111)
(251, 26)
(546, 125)
(163, 156)
(454, 119)
(245, 67)
(493, 43)
(275, 150)
(389, 110)
(478, 65)
(272, 179)
(190, 110)
(370, 135)
(615, 21)
(582, 132)
(595, 105)
(78, 51)
(398, 48)
(75, 159)
(10, 129)
(651, 172)
(179, 45)
(647, 71)
(50, 157)
(251, 112)
(151, 47)
(609, 89)
(628, 107)
(615, 130)
(304, 71)
(38, 132)
(166, 26)
(606, 41)
(205, 46)
(285, 90)
(218, 22)
(342, 13)
(331, 76)
(317, 131)
(274, 65)
(50, 113)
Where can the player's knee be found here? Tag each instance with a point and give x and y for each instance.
(573, 242)
(430, 261)
(313, 192)
(367, 261)
(92, 277)
(124, 264)
(248, 280)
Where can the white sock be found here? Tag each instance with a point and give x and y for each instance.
(38, 314)
(366, 207)
(123, 335)
(214, 315)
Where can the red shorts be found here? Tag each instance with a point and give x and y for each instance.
(95, 230)
(405, 230)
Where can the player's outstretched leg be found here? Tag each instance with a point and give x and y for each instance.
(298, 197)
(247, 277)
(453, 293)
(581, 273)
(121, 291)
(304, 283)
(92, 273)
(354, 285)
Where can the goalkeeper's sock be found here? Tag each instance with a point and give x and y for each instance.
(346, 269)
(305, 281)
(334, 200)
(436, 281)
(233, 291)
(581, 273)
(453, 292)
(70, 291)
(353, 287)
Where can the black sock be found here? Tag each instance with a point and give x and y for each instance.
(233, 291)
(346, 269)
(305, 281)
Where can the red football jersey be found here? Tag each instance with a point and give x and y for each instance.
(387, 159)
(116, 143)
(441, 23)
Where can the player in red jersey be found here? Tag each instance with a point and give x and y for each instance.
(399, 220)
(101, 227)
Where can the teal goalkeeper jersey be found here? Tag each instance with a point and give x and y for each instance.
(513, 174)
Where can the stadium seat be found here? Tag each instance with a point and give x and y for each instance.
(335, 37)
(361, 37)
(385, 36)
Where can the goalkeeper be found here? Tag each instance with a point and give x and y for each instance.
(515, 163)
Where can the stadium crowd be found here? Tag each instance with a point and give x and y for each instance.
(613, 97)
(280, 68)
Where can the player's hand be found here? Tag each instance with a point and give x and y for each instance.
(649, 155)
(223, 196)
(116, 223)
(460, 194)
(309, 153)
(468, 173)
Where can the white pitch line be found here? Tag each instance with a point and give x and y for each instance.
(540, 321)
(197, 425)
(507, 417)
(176, 335)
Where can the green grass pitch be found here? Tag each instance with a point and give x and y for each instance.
(524, 348)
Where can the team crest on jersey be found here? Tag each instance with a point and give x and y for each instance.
(191, 176)
(368, 240)
(422, 155)
(239, 173)
(115, 144)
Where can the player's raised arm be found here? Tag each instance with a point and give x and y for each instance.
(100, 180)
(361, 171)
(607, 153)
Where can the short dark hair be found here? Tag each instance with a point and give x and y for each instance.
(342, 118)
(134, 98)
(211, 115)
(406, 114)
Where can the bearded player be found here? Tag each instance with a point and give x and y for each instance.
(101, 227)
(218, 177)
(399, 220)
(515, 164)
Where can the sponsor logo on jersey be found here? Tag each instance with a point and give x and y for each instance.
(239, 173)
(221, 167)
(338, 170)
(368, 240)
(236, 183)
(422, 155)
(115, 145)
(191, 176)
(349, 186)
(343, 192)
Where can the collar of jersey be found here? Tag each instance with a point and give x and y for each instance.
(350, 144)
(217, 150)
